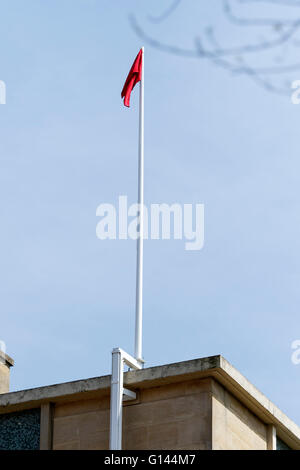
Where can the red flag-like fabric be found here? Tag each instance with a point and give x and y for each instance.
(134, 77)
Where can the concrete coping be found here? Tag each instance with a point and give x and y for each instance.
(214, 367)
(9, 362)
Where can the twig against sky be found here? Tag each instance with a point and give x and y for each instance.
(233, 59)
(166, 13)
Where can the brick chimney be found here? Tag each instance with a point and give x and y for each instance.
(6, 363)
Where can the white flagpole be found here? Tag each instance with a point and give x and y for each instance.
(140, 240)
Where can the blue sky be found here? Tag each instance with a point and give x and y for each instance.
(67, 145)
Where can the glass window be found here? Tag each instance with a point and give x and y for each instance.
(20, 431)
(280, 445)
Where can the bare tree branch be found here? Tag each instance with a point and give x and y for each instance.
(166, 13)
(254, 21)
(285, 3)
(233, 59)
(261, 46)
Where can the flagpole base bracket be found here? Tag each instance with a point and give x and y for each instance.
(119, 394)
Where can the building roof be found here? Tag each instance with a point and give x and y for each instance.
(215, 366)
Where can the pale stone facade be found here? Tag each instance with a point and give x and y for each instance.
(5, 364)
(234, 426)
(196, 405)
